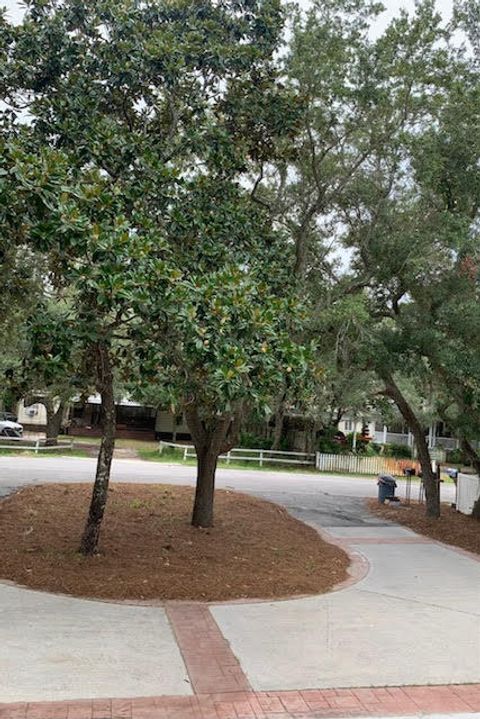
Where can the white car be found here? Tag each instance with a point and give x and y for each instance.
(10, 429)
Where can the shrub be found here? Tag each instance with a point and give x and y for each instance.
(367, 449)
(252, 441)
(399, 451)
(456, 456)
(327, 444)
(363, 446)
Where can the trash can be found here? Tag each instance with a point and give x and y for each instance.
(386, 487)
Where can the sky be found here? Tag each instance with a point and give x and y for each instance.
(14, 8)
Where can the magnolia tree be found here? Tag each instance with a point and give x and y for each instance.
(230, 342)
(123, 104)
(105, 267)
(232, 348)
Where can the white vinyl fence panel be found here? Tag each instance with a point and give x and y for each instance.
(249, 455)
(468, 491)
(38, 445)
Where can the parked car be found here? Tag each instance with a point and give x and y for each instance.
(10, 429)
(8, 416)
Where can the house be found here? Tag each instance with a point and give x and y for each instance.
(134, 420)
(398, 433)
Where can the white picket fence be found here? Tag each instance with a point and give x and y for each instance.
(353, 464)
(261, 456)
(468, 491)
(37, 446)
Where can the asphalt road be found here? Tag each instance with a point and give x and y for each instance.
(325, 500)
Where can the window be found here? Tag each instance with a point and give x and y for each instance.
(348, 425)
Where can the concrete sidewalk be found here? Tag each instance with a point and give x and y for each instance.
(54, 648)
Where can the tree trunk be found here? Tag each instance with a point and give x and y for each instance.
(278, 431)
(54, 422)
(91, 533)
(205, 488)
(279, 422)
(474, 458)
(211, 437)
(430, 481)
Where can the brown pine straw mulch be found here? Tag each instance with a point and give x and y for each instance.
(149, 550)
(452, 528)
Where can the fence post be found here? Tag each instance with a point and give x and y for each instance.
(185, 452)
(228, 457)
(37, 445)
(261, 458)
(160, 447)
(317, 460)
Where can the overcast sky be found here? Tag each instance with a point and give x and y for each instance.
(14, 8)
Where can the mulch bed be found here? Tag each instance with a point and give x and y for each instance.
(452, 527)
(149, 550)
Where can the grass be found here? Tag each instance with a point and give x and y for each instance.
(61, 452)
(171, 456)
(120, 443)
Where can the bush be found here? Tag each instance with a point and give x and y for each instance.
(252, 441)
(456, 456)
(399, 451)
(327, 444)
(366, 448)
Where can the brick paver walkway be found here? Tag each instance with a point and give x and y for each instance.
(211, 664)
(308, 704)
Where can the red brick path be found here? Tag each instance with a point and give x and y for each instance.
(211, 664)
(308, 704)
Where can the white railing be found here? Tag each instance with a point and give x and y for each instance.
(354, 464)
(391, 438)
(36, 447)
(249, 455)
(468, 491)
(447, 443)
